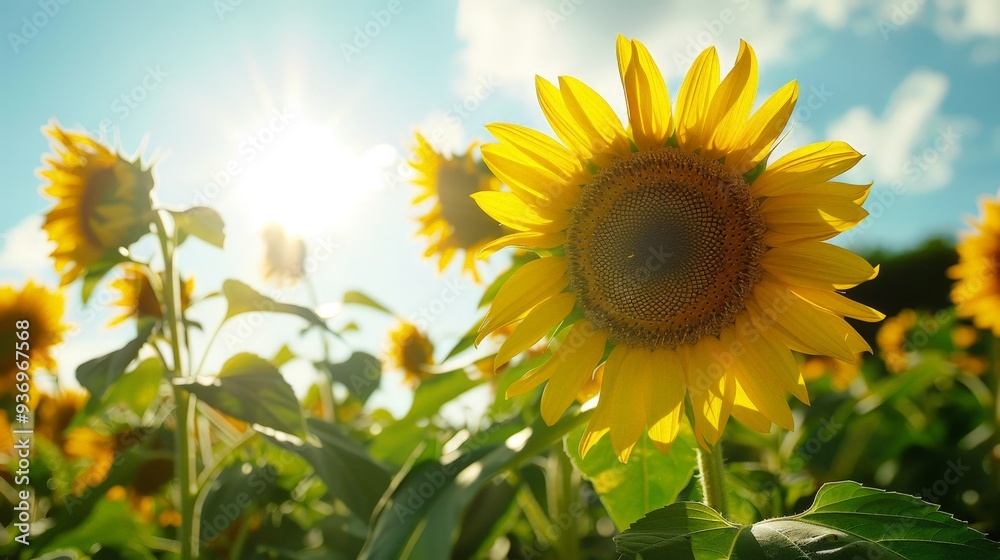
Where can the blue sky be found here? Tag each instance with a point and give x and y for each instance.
(909, 83)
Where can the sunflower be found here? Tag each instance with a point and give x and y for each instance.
(454, 222)
(670, 254)
(891, 340)
(43, 311)
(284, 255)
(411, 351)
(840, 372)
(55, 412)
(977, 291)
(102, 202)
(138, 298)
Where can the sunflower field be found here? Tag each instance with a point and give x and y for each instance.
(520, 280)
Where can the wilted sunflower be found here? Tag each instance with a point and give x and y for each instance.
(284, 255)
(670, 255)
(43, 310)
(102, 201)
(411, 351)
(977, 291)
(138, 298)
(454, 223)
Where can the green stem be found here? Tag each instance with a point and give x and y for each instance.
(713, 478)
(184, 463)
(563, 501)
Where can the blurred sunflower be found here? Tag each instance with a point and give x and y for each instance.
(670, 254)
(102, 201)
(892, 342)
(137, 297)
(454, 222)
(411, 351)
(43, 309)
(55, 412)
(840, 372)
(284, 255)
(977, 291)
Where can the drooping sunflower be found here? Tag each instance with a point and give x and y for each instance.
(453, 223)
(977, 291)
(102, 201)
(671, 257)
(284, 255)
(410, 351)
(137, 297)
(43, 310)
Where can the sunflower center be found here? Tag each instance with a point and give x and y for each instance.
(469, 224)
(664, 248)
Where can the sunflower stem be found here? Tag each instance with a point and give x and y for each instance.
(563, 491)
(184, 461)
(713, 478)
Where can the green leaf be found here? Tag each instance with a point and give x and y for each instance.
(420, 517)
(649, 480)
(135, 390)
(282, 356)
(93, 275)
(846, 521)
(360, 373)
(359, 298)
(252, 389)
(99, 374)
(350, 474)
(244, 299)
(201, 222)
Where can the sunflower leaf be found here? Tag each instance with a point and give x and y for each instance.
(99, 374)
(361, 374)
(846, 521)
(649, 480)
(201, 222)
(96, 272)
(251, 389)
(244, 299)
(359, 298)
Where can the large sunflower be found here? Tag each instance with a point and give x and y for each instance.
(43, 310)
(670, 258)
(977, 291)
(453, 223)
(137, 297)
(102, 201)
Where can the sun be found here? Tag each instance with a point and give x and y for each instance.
(308, 181)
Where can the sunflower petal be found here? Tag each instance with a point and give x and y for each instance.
(838, 304)
(808, 217)
(561, 120)
(535, 185)
(593, 114)
(764, 356)
(524, 239)
(572, 364)
(712, 391)
(765, 396)
(540, 148)
(805, 328)
(731, 104)
(540, 320)
(694, 98)
(806, 166)
(508, 209)
(812, 264)
(762, 130)
(646, 95)
(664, 395)
(531, 284)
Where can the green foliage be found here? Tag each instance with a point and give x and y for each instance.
(846, 521)
(360, 373)
(244, 299)
(201, 222)
(99, 374)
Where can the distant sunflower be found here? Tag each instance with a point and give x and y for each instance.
(284, 255)
(891, 340)
(56, 410)
(453, 223)
(670, 255)
(138, 298)
(102, 201)
(411, 351)
(977, 291)
(43, 310)
(840, 372)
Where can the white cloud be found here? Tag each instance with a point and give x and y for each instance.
(25, 248)
(967, 19)
(910, 143)
(833, 14)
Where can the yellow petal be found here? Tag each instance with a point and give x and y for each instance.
(856, 193)
(600, 422)
(628, 403)
(508, 209)
(646, 95)
(838, 304)
(539, 321)
(804, 327)
(540, 148)
(531, 284)
(807, 217)
(746, 412)
(572, 365)
(597, 119)
(664, 395)
(712, 391)
(561, 120)
(536, 185)
(812, 264)
(806, 166)
(766, 356)
(526, 239)
(731, 104)
(694, 98)
(756, 139)
(767, 397)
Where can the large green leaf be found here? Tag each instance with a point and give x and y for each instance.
(846, 521)
(350, 474)
(361, 374)
(99, 374)
(252, 389)
(420, 517)
(649, 480)
(96, 272)
(244, 299)
(201, 222)
(134, 391)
